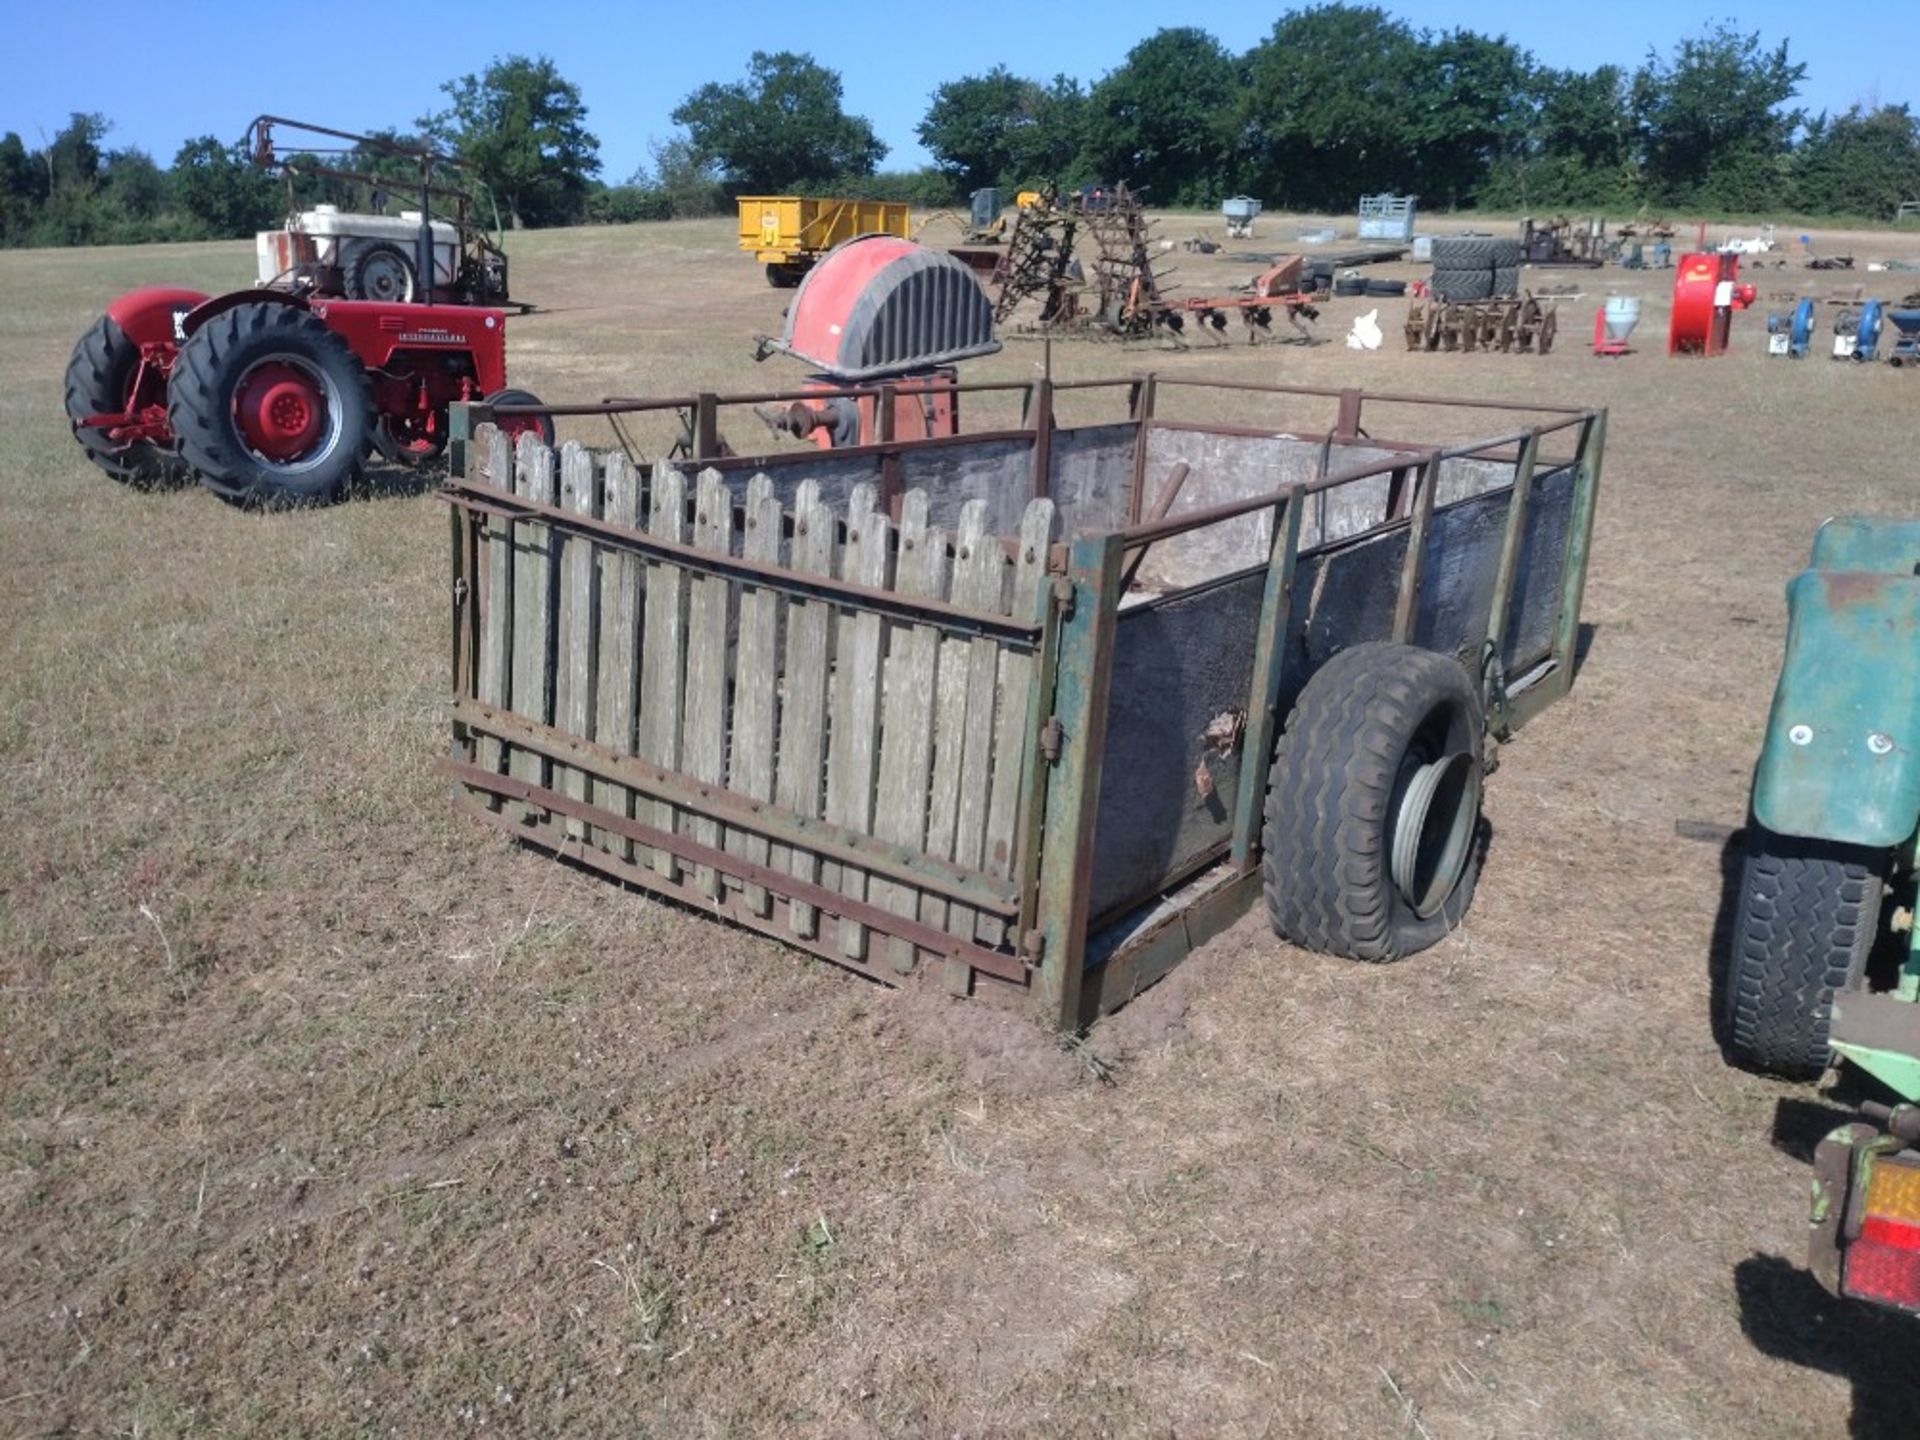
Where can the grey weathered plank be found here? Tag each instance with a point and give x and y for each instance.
(616, 697)
(703, 750)
(950, 733)
(854, 731)
(803, 713)
(663, 650)
(533, 583)
(1016, 680)
(906, 725)
(496, 623)
(979, 584)
(575, 676)
(756, 677)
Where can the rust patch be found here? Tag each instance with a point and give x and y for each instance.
(1847, 588)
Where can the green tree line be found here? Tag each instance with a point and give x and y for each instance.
(1336, 100)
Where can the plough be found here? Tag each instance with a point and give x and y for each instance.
(1523, 325)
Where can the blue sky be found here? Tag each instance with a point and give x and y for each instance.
(176, 70)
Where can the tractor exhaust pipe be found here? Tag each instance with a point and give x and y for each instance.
(423, 245)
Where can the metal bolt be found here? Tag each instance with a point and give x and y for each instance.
(1801, 734)
(1879, 743)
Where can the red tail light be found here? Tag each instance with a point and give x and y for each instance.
(1884, 1263)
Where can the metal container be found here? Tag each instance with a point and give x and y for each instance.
(1386, 217)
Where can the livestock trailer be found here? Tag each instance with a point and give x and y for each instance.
(1031, 710)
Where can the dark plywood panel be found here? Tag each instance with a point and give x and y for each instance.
(1542, 567)
(1090, 469)
(1177, 663)
(1456, 582)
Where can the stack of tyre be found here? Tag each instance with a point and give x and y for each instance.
(1475, 267)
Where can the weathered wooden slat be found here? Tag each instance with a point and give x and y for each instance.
(906, 725)
(1016, 678)
(950, 731)
(663, 649)
(616, 697)
(496, 624)
(577, 625)
(854, 730)
(756, 678)
(533, 586)
(979, 584)
(703, 749)
(803, 713)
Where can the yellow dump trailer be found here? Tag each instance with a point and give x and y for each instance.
(787, 233)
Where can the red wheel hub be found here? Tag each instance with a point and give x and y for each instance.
(280, 410)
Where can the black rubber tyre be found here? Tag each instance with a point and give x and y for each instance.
(1807, 917)
(1386, 287)
(541, 425)
(98, 376)
(1342, 789)
(381, 272)
(200, 405)
(1505, 254)
(1462, 252)
(1506, 280)
(1462, 284)
(785, 277)
(1349, 285)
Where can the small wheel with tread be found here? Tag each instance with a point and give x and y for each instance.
(540, 426)
(381, 272)
(1372, 842)
(1805, 922)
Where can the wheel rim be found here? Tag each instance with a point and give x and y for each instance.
(287, 413)
(1433, 829)
(385, 276)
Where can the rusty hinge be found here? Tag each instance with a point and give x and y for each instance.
(1051, 734)
(1033, 946)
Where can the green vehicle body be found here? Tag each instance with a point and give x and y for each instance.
(1841, 761)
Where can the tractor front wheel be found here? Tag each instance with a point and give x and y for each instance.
(539, 426)
(1807, 918)
(271, 407)
(102, 378)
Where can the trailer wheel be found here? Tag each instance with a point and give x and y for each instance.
(540, 426)
(100, 381)
(381, 272)
(271, 407)
(785, 277)
(1372, 842)
(1807, 917)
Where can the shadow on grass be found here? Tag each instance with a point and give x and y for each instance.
(1786, 1315)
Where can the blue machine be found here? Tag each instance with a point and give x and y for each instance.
(1906, 349)
(1868, 339)
(1796, 327)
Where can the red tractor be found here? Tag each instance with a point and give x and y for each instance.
(275, 396)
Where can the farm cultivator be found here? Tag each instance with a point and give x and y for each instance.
(275, 395)
(1524, 325)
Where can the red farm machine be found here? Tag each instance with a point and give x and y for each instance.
(275, 395)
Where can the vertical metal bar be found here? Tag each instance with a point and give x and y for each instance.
(1145, 395)
(1573, 584)
(1041, 456)
(1269, 672)
(1080, 702)
(463, 418)
(1347, 426)
(1511, 543)
(706, 425)
(1406, 608)
(1034, 766)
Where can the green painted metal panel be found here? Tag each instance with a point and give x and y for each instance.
(1867, 542)
(1842, 755)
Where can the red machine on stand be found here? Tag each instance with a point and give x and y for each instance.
(881, 317)
(1706, 292)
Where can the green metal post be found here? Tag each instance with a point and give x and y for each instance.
(1269, 670)
(1493, 681)
(1081, 689)
(1573, 585)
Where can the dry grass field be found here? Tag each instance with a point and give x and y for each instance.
(324, 1111)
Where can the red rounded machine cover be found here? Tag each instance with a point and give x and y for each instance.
(877, 305)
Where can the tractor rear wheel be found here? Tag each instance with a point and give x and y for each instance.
(271, 407)
(1372, 841)
(1807, 918)
(381, 272)
(100, 381)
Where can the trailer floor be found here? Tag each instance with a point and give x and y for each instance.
(325, 1111)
